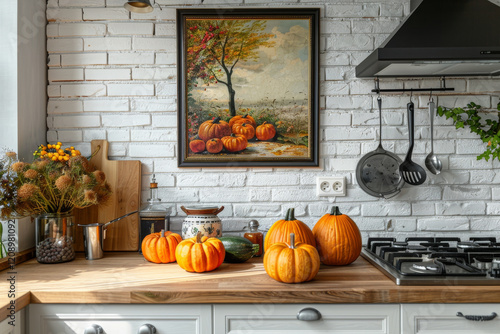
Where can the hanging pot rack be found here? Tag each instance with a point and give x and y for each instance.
(442, 88)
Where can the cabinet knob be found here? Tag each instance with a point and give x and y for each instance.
(147, 329)
(309, 314)
(94, 329)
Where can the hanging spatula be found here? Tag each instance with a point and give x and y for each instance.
(411, 172)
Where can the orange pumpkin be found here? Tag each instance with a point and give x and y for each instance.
(200, 254)
(214, 129)
(280, 231)
(265, 131)
(197, 145)
(242, 119)
(337, 238)
(160, 247)
(294, 263)
(244, 129)
(214, 145)
(235, 143)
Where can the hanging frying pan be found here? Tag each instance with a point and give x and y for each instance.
(378, 171)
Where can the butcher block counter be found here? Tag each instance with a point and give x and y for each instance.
(126, 278)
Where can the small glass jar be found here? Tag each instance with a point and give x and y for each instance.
(54, 237)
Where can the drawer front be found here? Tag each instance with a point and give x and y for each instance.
(442, 319)
(123, 319)
(7, 328)
(281, 319)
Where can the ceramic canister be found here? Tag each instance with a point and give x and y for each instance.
(201, 219)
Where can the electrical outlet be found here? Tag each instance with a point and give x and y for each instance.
(330, 186)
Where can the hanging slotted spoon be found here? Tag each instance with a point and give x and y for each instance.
(411, 172)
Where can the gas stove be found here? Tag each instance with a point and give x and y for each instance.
(436, 261)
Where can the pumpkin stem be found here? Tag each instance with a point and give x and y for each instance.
(290, 214)
(162, 233)
(198, 238)
(216, 120)
(245, 116)
(335, 211)
(292, 240)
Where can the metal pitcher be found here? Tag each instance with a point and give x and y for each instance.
(93, 238)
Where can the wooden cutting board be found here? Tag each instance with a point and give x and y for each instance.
(124, 177)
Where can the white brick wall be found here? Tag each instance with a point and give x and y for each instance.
(113, 76)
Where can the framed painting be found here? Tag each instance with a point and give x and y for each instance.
(248, 87)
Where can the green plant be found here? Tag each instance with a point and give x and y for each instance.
(488, 130)
(3, 250)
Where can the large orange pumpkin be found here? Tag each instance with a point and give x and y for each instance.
(294, 263)
(197, 145)
(242, 119)
(160, 247)
(214, 145)
(337, 238)
(244, 129)
(200, 254)
(280, 231)
(265, 131)
(214, 129)
(235, 143)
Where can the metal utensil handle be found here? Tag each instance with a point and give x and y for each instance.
(309, 314)
(492, 316)
(379, 100)
(432, 107)
(119, 218)
(411, 115)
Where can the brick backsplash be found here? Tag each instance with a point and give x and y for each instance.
(112, 75)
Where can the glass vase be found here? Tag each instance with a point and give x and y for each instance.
(54, 237)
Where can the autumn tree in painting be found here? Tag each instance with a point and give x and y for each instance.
(215, 47)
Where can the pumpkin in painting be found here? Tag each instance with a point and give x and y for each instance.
(337, 238)
(242, 119)
(160, 247)
(214, 145)
(291, 263)
(200, 254)
(235, 143)
(215, 128)
(244, 129)
(197, 145)
(265, 131)
(280, 231)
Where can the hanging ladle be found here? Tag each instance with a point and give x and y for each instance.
(432, 162)
(411, 172)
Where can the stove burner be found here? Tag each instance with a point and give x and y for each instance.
(422, 267)
(468, 244)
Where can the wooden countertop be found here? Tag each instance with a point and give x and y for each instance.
(125, 278)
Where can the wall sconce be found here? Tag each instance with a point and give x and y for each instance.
(139, 6)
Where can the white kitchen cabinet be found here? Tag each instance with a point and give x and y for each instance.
(19, 328)
(119, 319)
(443, 319)
(281, 319)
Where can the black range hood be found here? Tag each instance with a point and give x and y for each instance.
(440, 38)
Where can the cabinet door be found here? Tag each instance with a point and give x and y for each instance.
(442, 319)
(281, 319)
(7, 328)
(119, 319)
